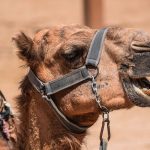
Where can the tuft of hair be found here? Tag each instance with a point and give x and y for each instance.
(65, 142)
(24, 44)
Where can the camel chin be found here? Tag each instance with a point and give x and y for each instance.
(137, 83)
(86, 119)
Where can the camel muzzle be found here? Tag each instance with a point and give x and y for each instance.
(137, 82)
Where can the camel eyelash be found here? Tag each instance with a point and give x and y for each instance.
(72, 55)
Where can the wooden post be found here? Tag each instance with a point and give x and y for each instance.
(93, 13)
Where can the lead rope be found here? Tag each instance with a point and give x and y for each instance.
(105, 115)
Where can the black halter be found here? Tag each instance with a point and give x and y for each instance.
(77, 76)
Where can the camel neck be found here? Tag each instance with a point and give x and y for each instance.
(41, 127)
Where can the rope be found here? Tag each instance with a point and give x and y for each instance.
(7, 122)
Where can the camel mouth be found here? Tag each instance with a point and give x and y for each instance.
(138, 90)
(142, 87)
(136, 80)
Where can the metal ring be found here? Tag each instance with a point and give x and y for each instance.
(97, 71)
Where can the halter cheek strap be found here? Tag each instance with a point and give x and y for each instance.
(60, 84)
(95, 49)
(77, 76)
(50, 88)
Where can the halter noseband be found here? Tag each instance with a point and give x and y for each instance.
(77, 76)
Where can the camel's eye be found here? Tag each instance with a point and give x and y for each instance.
(73, 55)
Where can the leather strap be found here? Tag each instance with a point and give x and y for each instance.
(77, 76)
(95, 49)
(67, 80)
(35, 81)
(72, 127)
(50, 88)
(60, 84)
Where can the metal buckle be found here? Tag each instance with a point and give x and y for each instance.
(105, 121)
(90, 68)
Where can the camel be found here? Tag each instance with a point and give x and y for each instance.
(123, 81)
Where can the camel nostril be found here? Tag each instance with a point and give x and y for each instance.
(140, 46)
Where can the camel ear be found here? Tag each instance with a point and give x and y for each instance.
(24, 44)
(139, 46)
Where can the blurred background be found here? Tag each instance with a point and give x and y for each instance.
(130, 128)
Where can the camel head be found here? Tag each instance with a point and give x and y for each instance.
(123, 80)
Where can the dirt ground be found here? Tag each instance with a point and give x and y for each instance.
(130, 128)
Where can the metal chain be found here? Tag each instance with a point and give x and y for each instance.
(97, 97)
(105, 114)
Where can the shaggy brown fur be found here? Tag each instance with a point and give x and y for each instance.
(54, 52)
(38, 126)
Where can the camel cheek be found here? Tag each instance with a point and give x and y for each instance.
(113, 96)
(78, 101)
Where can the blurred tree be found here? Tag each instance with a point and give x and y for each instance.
(93, 12)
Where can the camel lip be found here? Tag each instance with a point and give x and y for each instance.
(142, 86)
(138, 90)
